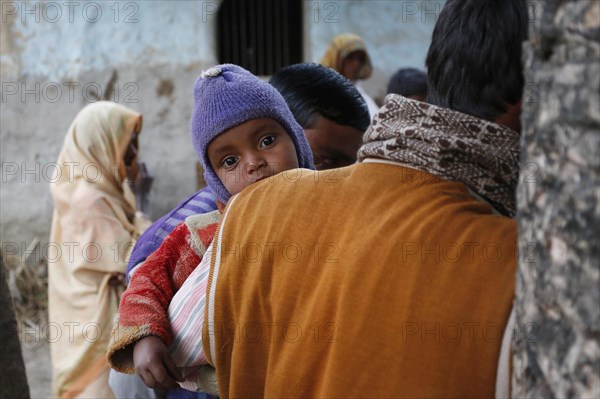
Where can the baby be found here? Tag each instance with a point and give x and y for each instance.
(243, 132)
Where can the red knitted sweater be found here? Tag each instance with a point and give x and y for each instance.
(144, 306)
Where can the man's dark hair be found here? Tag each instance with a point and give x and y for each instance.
(474, 61)
(408, 82)
(311, 89)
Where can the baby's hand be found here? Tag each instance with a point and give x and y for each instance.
(154, 365)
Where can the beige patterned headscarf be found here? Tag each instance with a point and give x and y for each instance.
(93, 230)
(340, 47)
(92, 157)
(454, 146)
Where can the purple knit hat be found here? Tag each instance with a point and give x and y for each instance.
(228, 95)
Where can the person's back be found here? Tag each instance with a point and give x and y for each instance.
(393, 277)
(418, 293)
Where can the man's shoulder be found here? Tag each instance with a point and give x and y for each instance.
(294, 178)
(306, 184)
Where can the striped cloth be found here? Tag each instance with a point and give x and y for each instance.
(203, 201)
(186, 314)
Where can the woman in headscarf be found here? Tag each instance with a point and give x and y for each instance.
(94, 226)
(347, 54)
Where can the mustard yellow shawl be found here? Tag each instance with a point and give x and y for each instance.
(374, 280)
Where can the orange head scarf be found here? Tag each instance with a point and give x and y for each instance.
(340, 47)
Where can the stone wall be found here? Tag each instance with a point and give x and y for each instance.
(557, 340)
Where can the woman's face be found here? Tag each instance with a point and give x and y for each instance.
(132, 149)
(352, 64)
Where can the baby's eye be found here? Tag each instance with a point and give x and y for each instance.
(229, 162)
(267, 140)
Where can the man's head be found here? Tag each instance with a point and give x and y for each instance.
(474, 61)
(410, 83)
(331, 111)
(227, 96)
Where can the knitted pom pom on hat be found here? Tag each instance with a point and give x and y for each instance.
(226, 96)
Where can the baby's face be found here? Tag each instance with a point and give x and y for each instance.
(250, 152)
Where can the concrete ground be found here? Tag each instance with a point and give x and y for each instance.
(39, 369)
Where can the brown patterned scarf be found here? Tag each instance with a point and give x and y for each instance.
(448, 144)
